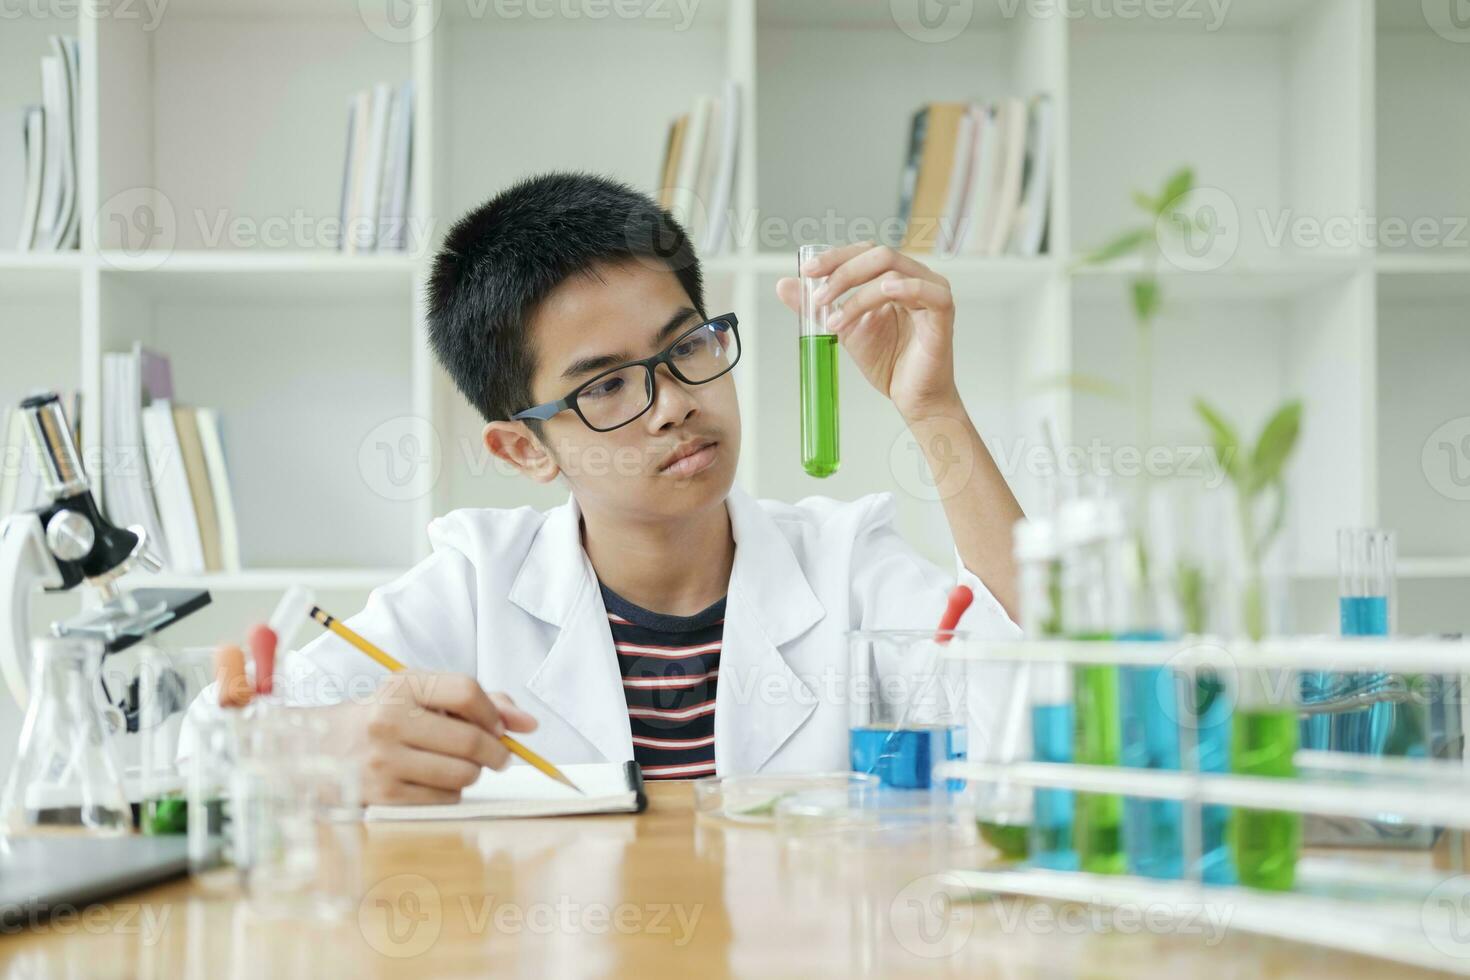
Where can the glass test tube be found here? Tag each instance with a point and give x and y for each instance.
(1264, 843)
(820, 450)
(1365, 563)
(1088, 528)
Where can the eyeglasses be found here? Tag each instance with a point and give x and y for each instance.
(619, 395)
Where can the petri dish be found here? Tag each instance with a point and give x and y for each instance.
(876, 817)
(753, 798)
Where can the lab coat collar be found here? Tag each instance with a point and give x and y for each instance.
(760, 700)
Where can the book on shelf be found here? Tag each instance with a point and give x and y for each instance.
(170, 484)
(977, 178)
(697, 175)
(936, 163)
(38, 159)
(219, 486)
(918, 122)
(377, 170)
(164, 466)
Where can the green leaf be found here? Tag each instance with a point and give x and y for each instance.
(1145, 298)
(1145, 202)
(1129, 241)
(1273, 448)
(1087, 384)
(1227, 443)
(1178, 184)
(1189, 587)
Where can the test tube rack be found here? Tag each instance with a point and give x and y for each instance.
(1407, 909)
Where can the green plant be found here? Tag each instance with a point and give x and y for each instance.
(1164, 216)
(1256, 473)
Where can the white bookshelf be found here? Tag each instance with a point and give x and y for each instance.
(1320, 108)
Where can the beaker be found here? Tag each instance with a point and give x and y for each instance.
(909, 708)
(65, 779)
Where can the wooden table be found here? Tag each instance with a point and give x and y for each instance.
(665, 894)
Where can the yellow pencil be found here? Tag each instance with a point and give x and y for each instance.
(336, 626)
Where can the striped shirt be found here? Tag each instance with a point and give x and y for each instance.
(670, 667)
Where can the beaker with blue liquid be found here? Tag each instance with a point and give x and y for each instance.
(908, 707)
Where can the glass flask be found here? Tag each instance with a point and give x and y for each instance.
(65, 779)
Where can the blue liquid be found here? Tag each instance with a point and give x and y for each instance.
(1212, 747)
(904, 758)
(1365, 731)
(1053, 809)
(1363, 615)
(1152, 829)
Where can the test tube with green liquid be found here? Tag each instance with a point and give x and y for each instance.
(820, 450)
(1265, 843)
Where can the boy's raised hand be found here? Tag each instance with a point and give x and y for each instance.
(897, 323)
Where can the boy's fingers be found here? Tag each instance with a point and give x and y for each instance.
(436, 771)
(516, 719)
(462, 696)
(788, 291)
(915, 294)
(871, 263)
(823, 264)
(411, 794)
(455, 738)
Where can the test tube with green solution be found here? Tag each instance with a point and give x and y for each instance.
(820, 450)
(1264, 843)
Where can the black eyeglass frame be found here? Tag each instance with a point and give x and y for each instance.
(547, 410)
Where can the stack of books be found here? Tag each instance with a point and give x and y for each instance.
(163, 466)
(375, 174)
(977, 178)
(39, 209)
(698, 173)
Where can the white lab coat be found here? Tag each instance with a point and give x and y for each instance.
(510, 597)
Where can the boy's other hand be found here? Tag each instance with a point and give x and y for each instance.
(424, 737)
(897, 322)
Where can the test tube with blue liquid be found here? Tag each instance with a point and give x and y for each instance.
(1365, 563)
(1053, 811)
(909, 708)
(1149, 706)
(820, 447)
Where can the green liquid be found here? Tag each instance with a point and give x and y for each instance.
(165, 815)
(820, 453)
(1264, 843)
(1010, 839)
(1099, 817)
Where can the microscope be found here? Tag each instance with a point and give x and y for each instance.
(67, 542)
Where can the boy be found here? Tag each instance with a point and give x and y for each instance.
(660, 614)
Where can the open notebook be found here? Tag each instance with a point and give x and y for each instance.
(521, 791)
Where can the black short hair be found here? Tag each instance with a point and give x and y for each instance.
(503, 258)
